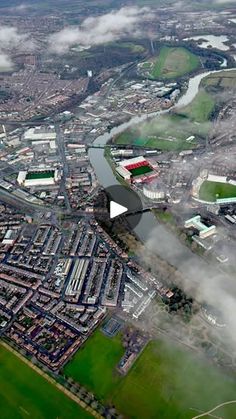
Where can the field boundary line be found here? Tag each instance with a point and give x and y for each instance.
(52, 381)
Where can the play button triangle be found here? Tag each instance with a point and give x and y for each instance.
(116, 209)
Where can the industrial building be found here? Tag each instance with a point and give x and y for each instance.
(136, 170)
(41, 136)
(40, 177)
(196, 223)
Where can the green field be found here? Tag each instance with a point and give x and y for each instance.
(174, 62)
(210, 191)
(93, 365)
(129, 45)
(24, 393)
(164, 216)
(169, 132)
(40, 175)
(166, 132)
(223, 79)
(165, 382)
(200, 109)
(137, 171)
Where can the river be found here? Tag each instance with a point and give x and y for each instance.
(213, 41)
(104, 172)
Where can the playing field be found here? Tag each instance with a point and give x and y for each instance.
(210, 191)
(138, 171)
(40, 175)
(174, 62)
(165, 382)
(25, 394)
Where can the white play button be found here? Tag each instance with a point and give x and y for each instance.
(116, 209)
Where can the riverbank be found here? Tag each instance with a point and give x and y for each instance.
(103, 171)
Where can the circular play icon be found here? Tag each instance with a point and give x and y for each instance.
(116, 207)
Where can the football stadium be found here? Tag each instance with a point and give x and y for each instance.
(136, 170)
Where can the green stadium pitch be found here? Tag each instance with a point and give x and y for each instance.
(210, 191)
(40, 175)
(139, 171)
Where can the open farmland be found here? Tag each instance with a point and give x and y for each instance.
(165, 382)
(174, 62)
(210, 191)
(24, 393)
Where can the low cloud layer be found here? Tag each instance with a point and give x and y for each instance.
(21, 8)
(224, 1)
(10, 39)
(5, 62)
(200, 279)
(99, 30)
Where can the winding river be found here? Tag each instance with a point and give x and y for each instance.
(104, 173)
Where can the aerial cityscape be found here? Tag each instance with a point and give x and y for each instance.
(118, 209)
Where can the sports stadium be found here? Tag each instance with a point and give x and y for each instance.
(136, 170)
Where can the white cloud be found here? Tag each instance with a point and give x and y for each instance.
(11, 38)
(224, 2)
(20, 8)
(199, 278)
(99, 30)
(5, 62)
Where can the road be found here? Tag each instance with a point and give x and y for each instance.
(64, 163)
(21, 204)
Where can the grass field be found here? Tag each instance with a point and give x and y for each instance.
(166, 132)
(209, 191)
(174, 62)
(200, 109)
(129, 45)
(94, 364)
(40, 175)
(223, 79)
(169, 132)
(164, 216)
(165, 382)
(140, 170)
(24, 393)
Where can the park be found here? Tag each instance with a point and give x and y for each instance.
(165, 381)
